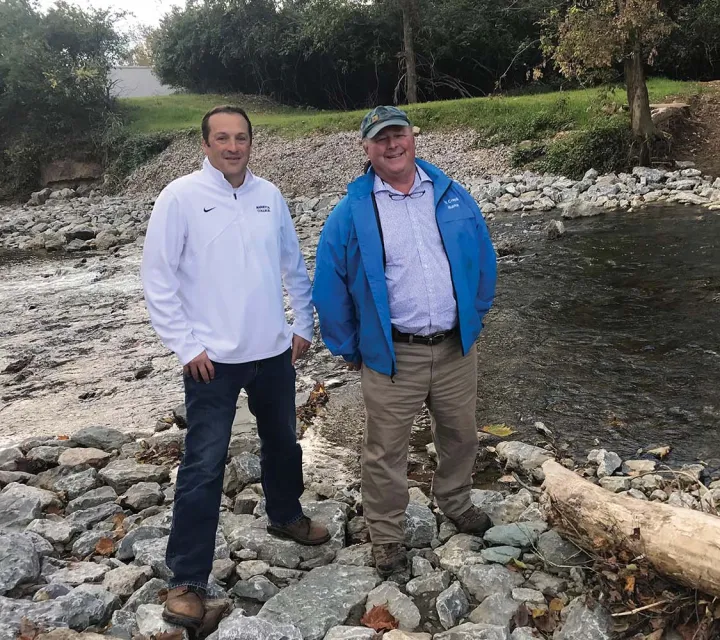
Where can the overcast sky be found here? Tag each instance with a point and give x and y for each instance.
(145, 11)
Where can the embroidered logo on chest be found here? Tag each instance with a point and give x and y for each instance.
(262, 208)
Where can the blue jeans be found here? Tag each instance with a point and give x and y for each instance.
(270, 385)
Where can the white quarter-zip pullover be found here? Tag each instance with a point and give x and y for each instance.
(214, 263)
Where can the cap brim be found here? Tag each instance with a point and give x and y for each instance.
(393, 122)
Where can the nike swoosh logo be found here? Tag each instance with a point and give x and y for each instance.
(206, 210)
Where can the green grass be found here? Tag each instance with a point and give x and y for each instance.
(502, 119)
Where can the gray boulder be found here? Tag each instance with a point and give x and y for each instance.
(420, 526)
(125, 548)
(401, 607)
(523, 535)
(559, 553)
(237, 626)
(257, 588)
(123, 625)
(19, 562)
(83, 457)
(86, 542)
(430, 583)
(471, 631)
(91, 499)
(501, 555)
(103, 438)
(244, 469)
(350, 633)
(151, 553)
(20, 505)
(323, 599)
(10, 459)
(497, 609)
(55, 531)
(147, 594)
(126, 580)
(77, 573)
(452, 605)
(142, 496)
(460, 551)
(90, 517)
(484, 580)
(150, 622)
(358, 555)
(77, 484)
(584, 622)
(124, 473)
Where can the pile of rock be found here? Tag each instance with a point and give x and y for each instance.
(84, 524)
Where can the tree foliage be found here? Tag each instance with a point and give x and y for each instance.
(53, 83)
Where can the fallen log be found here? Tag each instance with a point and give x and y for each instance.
(679, 543)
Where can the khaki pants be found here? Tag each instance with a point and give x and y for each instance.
(447, 381)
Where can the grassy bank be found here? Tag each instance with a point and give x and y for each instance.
(499, 119)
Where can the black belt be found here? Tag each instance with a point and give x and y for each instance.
(435, 338)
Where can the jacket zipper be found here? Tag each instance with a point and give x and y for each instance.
(452, 279)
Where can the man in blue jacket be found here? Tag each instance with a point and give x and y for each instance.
(405, 273)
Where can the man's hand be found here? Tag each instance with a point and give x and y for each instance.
(200, 368)
(300, 347)
(354, 366)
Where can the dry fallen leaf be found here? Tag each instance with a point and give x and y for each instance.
(379, 618)
(28, 630)
(175, 634)
(519, 563)
(630, 584)
(499, 430)
(63, 437)
(105, 547)
(556, 604)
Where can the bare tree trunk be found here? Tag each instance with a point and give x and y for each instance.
(639, 104)
(408, 12)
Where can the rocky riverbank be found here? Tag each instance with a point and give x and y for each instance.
(84, 523)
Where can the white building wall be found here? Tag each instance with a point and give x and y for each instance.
(136, 82)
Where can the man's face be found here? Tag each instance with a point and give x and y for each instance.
(392, 151)
(228, 145)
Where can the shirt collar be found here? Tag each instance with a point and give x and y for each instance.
(381, 186)
(218, 177)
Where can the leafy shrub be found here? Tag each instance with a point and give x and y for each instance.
(126, 152)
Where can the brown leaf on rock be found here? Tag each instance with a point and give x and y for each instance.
(630, 584)
(556, 604)
(63, 437)
(175, 634)
(28, 630)
(379, 619)
(105, 547)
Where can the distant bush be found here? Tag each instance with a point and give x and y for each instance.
(605, 145)
(125, 152)
(54, 88)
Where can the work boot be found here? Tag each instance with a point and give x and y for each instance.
(303, 531)
(473, 521)
(389, 558)
(184, 606)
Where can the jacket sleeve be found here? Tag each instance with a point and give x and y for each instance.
(295, 277)
(488, 260)
(334, 304)
(164, 243)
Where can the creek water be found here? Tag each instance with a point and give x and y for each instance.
(609, 335)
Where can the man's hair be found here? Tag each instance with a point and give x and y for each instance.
(225, 108)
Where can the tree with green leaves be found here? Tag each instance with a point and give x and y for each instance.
(596, 34)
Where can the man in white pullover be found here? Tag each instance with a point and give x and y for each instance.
(219, 245)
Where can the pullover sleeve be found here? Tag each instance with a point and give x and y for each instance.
(295, 277)
(164, 243)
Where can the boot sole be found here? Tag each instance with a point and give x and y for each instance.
(281, 533)
(182, 621)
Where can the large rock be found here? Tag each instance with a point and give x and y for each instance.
(579, 209)
(244, 469)
(524, 458)
(351, 633)
(103, 438)
(150, 622)
(237, 626)
(125, 549)
(358, 555)
(420, 526)
(558, 553)
(497, 609)
(485, 580)
(123, 474)
(77, 573)
(583, 622)
(92, 498)
(401, 607)
(428, 584)
(452, 605)
(11, 459)
(147, 594)
(460, 551)
(55, 531)
(252, 534)
(69, 171)
(42, 457)
(501, 555)
(471, 631)
(77, 484)
(19, 562)
(78, 610)
(257, 588)
(90, 517)
(126, 580)
(83, 456)
(142, 495)
(323, 599)
(151, 553)
(523, 535)
(20, 505)
(86, 543)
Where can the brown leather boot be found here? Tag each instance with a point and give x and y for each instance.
(303, 531)
(473, 521)
(389, 558)
(184, 607)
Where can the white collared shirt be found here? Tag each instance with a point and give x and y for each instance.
(214, 263)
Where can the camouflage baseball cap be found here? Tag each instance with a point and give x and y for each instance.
(379, 118)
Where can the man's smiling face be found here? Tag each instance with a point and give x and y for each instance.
(392, 152)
